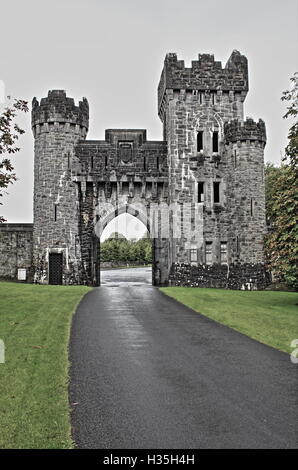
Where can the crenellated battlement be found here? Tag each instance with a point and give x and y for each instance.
(237, 131)
(204, 181)
(57, 107)
(204, 74)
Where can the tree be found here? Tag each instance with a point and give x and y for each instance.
(291, 96)
(9, 134)
(281, 244)
(148, 252)
(124, 252)
(117, 235)
(118, 250)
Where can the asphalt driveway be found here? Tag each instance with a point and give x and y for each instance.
(148, 372)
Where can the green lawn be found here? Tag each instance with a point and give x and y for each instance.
(269, 317)
(34, 325)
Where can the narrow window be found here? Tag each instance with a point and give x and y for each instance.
(92, 161)
(252, 207)
(200, 191)
(200, 141)
(157, 162)
(144, 167)
(237, 245)
(223, 253)
(213, 98)
(193, 255)
(55, 212)
(235, 159)
(125, 187)
(68, 160)
(215, 141)
(208, 252)
(216, 195)
(106, 161)
(200, 98)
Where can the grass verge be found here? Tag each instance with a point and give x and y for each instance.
(269, 317)
(35, 324)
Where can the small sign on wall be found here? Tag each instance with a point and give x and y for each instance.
(22, 274)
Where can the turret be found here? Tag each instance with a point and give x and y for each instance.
(57, 107)
(216, 161)
(239, 131)
(57, 124)
(244, 155)
(204, 76)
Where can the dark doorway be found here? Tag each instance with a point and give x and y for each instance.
(55, 268)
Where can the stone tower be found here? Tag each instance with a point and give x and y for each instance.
(216, 164)
(58, 125)
(205, 178)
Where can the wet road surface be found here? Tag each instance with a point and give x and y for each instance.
(126, 277)
(148, 372)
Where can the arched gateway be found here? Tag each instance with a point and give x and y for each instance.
(199, 191)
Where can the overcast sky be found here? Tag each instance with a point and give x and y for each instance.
(112, 52)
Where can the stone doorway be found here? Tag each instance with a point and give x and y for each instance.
(55, 268)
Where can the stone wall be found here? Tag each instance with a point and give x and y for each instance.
(204, 74)
(58, 125)
(81, 185)
(210, 99)
(235, 276)
(16, 241)
(112, 181)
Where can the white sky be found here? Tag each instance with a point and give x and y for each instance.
(127, 224)
(112, 52)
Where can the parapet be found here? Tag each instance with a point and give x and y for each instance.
(204, 74)
(139, 136)
(15, 227)
(57, 107)
(237, 131)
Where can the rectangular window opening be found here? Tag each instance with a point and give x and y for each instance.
(208, 252)
(216, 192)
(200, 191)
(223, 253)
(200, 141)
(125, 187)
(55, 212)
(193, 255)
(215, 141)
(237, 245)
(252, 207)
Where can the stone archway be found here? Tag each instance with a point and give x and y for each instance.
(105, 219)
(159, 245)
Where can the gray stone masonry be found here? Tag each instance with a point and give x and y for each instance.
(58, 125)
(206, 176)
(16, 241)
